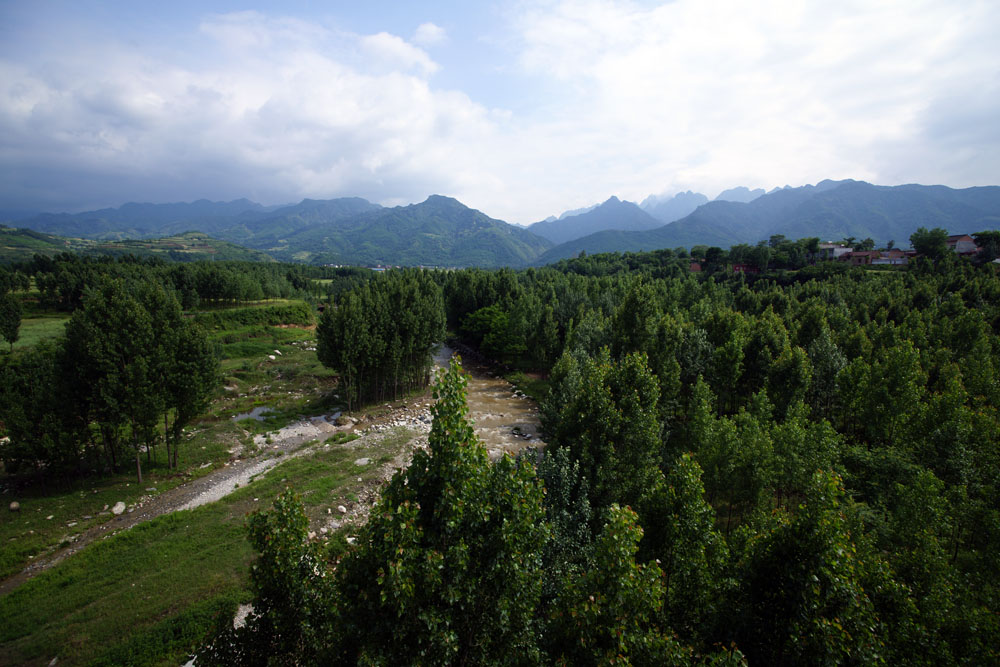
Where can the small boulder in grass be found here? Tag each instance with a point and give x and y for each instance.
(15, 506)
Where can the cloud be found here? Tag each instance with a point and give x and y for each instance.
(282, 109)
(713, 94)
(589, 98)
(396, 52)
(428, 34)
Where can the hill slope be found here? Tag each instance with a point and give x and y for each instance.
(21, 244)
(132, 221)
(440, 231)
(258, 230)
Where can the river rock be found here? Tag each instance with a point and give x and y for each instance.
(119, 508)
(15, 506)
(344, 420)
(271, 357)
(341, 509)
(362, 462)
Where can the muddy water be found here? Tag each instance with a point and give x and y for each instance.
(503, 420)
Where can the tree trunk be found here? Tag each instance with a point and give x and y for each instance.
(138, 465)
(166, 438)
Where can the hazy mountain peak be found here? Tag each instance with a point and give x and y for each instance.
(667, 209)
(612, 214)
(576, 211)
(741, 194)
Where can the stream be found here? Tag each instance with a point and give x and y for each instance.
(506, 421)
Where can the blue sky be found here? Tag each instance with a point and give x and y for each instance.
(521, 109)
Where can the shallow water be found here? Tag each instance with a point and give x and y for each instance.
(504, 421)
(259, 413)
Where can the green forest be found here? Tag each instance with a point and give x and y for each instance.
(794, 467)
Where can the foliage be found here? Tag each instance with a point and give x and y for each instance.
(379, 349)
(608, 614)
(605, 415)
(10, 318)
(296, 313)
(128, 359)
(292, 598)
(448, 567)
(800, 593)
(930, 243)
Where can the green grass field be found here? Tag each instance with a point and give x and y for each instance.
(148, 595)
(35, 329)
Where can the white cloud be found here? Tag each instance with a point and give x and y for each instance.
(713, 94)
(396, 52)
(429, 34)
(283, 110)
(613, 97)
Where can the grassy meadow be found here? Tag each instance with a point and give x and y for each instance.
(149, 595)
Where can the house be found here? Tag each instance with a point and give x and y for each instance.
(963, 244)
(894, 257)
(861, 257)
(832, 250)
(745, 268)
(695, 267)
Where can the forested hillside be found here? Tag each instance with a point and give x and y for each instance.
(20, 245)
(793, 469)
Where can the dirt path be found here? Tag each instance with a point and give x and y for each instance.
(505, 420)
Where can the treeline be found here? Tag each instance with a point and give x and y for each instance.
(62, 280)
(776, 253)
(805, 467)
(93, 399)
(379, 336)
(130, 371)
(295, 313)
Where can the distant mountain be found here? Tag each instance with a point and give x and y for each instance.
(443, 232)
(668, 209)
(440, 231)
(10, 215)
(612, 214)
(262, 230)
(21, 244)
(349, 230)
(134, 221)
(831, 210)
(741, 194)
(576, 211)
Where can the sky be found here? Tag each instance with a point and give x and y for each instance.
(521, 109)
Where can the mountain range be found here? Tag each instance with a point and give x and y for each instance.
(830, 210)
(442, 231)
